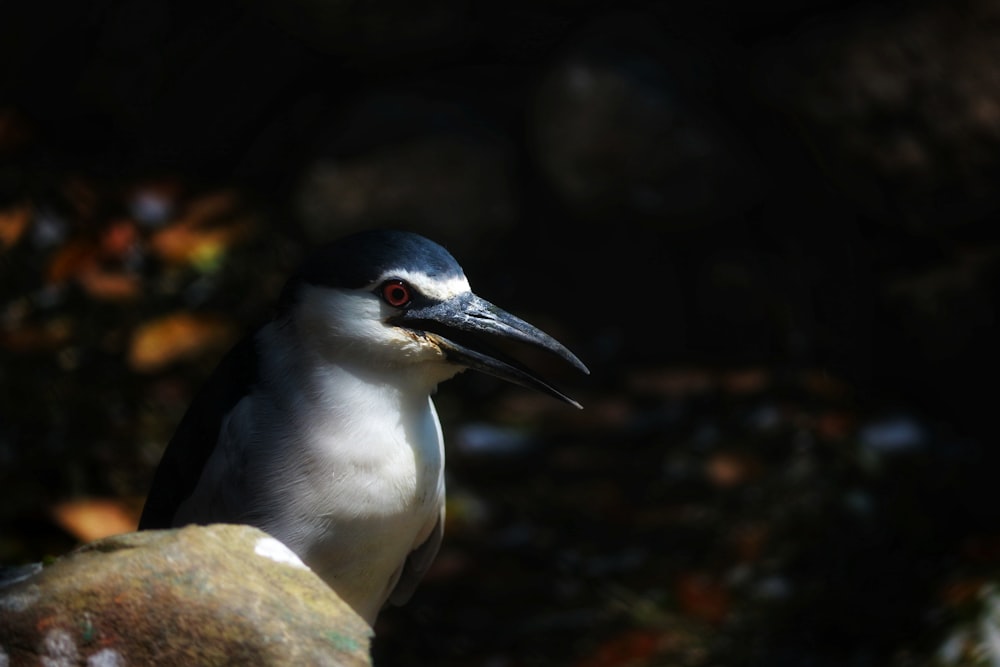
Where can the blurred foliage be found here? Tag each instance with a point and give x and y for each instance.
(116, 301)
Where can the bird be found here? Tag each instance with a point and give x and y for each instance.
(319, 427)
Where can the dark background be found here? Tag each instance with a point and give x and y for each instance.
(769, 229)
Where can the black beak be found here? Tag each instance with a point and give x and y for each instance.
(462, 326)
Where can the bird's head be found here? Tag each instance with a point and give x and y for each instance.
(391, 299)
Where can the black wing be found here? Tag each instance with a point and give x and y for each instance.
(196, 436)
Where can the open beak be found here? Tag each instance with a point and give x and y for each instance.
(462, 326)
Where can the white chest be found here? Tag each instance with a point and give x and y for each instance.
(346, 454)
(343, 464)
(363, 449)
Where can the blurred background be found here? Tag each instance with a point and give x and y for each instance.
(769, 228)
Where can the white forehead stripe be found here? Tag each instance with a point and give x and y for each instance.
(434, 287)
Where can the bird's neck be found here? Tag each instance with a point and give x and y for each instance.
(332, 373)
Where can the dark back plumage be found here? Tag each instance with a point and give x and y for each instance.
(196, 435)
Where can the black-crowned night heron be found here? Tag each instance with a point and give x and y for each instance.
(319, 427)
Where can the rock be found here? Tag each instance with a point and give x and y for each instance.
(205, 595)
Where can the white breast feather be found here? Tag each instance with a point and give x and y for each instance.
(345, 467)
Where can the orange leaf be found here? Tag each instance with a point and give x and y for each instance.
(176, 337)
(118, 238)
(631, 649)
(702, 596)
(199, 237)
(728, 469)
(834, 425)
(13, 222)
(71, 260)
(745, 382)
(37, 337)
(110, 285)
(91, 519)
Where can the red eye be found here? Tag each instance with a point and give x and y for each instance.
(396, 293)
